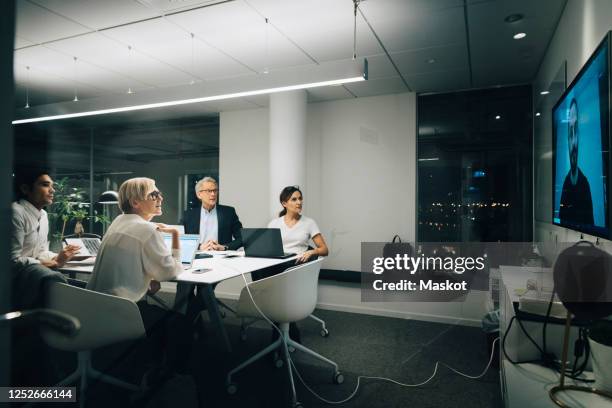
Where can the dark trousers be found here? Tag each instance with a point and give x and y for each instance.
(168, 335)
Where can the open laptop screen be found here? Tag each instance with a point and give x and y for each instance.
(189, 245)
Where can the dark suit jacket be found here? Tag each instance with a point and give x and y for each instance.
(227, 220)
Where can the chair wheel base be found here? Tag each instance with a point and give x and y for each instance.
(232, 389)
(324, 333)
(278, 363)
(297, 405)
(338, 378)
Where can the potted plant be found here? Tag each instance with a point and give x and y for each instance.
(600, 340)
(68, 206)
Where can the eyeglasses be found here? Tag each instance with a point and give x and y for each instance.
(215, 191)
(155, 195)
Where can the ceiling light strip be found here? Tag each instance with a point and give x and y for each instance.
(189, 101)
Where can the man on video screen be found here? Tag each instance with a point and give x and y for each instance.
(576, 203)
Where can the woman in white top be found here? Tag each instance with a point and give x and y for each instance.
(297, 230)
(132, 259)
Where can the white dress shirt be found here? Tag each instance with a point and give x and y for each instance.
(131, 255)
(297, 238)
(29, 243)
(209, 225)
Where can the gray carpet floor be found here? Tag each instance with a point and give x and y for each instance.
(403, 350)
(362, 345)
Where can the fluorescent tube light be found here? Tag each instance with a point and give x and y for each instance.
(361, 76)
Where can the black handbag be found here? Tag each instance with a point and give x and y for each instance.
(396, 246)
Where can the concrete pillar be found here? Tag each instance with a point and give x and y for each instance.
(287, 143)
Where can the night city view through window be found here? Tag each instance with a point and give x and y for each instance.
(474, 166)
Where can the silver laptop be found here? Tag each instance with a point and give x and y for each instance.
(89, 246)
(189, 245)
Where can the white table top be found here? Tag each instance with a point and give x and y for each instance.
(515, 278)
(213, 270)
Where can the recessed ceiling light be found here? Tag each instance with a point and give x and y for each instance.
(519, 36)
(431, 60)
(497, 117)
(513, 18)
(538, 113)
(544, 92)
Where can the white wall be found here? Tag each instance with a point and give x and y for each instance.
(360, 161)
(361, 173)
(243, 165)
(360, 186)
(581, 28)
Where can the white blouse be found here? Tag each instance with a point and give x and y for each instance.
(132, 253)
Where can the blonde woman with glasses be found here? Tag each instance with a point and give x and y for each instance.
(133, 259)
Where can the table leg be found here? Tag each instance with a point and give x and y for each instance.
(207, 294)
(183, 290)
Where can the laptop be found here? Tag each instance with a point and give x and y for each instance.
(189, 245)
(263, 243)
(89, 246)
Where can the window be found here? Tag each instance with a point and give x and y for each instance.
(97, 156)
(474, 168)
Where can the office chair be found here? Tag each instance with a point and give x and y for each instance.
(287, 297)
(65, 324)
(104, 319)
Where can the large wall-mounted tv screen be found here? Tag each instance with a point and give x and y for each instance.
(581, 142)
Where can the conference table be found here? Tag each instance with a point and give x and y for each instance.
(204, 273)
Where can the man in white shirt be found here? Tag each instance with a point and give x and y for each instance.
(32, 260)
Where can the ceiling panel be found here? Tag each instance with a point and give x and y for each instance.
(328, 93)
(96, 48)
(39, 25)
(239, 31)
(443, 81)
(96, 14)
(422, 24)
(60, 75)
(230, 42)
(22, 42)
(169, 43)
(451, 57)
(167, 6)
(323, 28)
(47, 68)
(231, 104)
(261, 101)
(496, 57)
(374, 87)
(61, 91)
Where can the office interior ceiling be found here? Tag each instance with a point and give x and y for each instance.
(411, 45)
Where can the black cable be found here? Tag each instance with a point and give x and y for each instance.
(552, 297)
(550, 363)
(504, 346)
